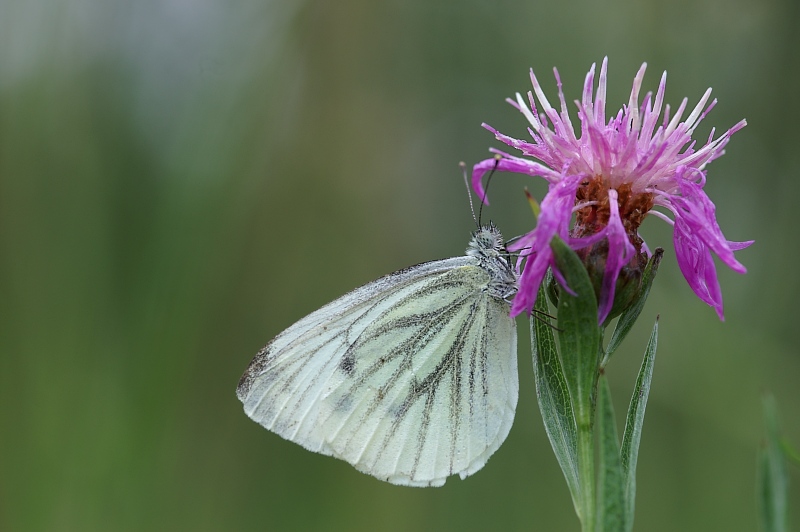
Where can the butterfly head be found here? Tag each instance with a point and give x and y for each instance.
(486, 243)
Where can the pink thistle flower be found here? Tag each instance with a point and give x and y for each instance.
(611, 177)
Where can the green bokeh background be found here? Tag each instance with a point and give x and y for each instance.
(180, 180)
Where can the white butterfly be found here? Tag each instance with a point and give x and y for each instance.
(410, 378)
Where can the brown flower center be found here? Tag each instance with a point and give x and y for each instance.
(632, 209)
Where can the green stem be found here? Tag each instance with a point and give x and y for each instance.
(585, 424)
(586, 471)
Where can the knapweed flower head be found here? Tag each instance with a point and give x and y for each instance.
(611, 177)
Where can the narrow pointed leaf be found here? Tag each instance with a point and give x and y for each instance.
(580, 348)
(633, 425)
(554, 399)
(611, 493)
(579, 334)
(631, 314)
(773, 480)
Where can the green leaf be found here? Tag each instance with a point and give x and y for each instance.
(554, 400)
(631, 314)
(579, 334)
(633, 425)
(773, 481)
(579, 342)
(611, 493)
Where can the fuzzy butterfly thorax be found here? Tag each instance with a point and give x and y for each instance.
(488, 247)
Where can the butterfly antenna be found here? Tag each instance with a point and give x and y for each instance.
(469, 193)
(515, 239)
(486, 189)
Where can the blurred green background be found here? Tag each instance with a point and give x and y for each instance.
(180, 180)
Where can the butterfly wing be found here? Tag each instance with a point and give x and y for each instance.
(411, 378)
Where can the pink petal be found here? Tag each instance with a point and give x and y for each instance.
(556, 213)
(620, 252)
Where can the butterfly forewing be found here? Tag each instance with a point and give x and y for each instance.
(306, 354)
(410, 378)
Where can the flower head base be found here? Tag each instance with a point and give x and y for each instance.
(611, 177)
